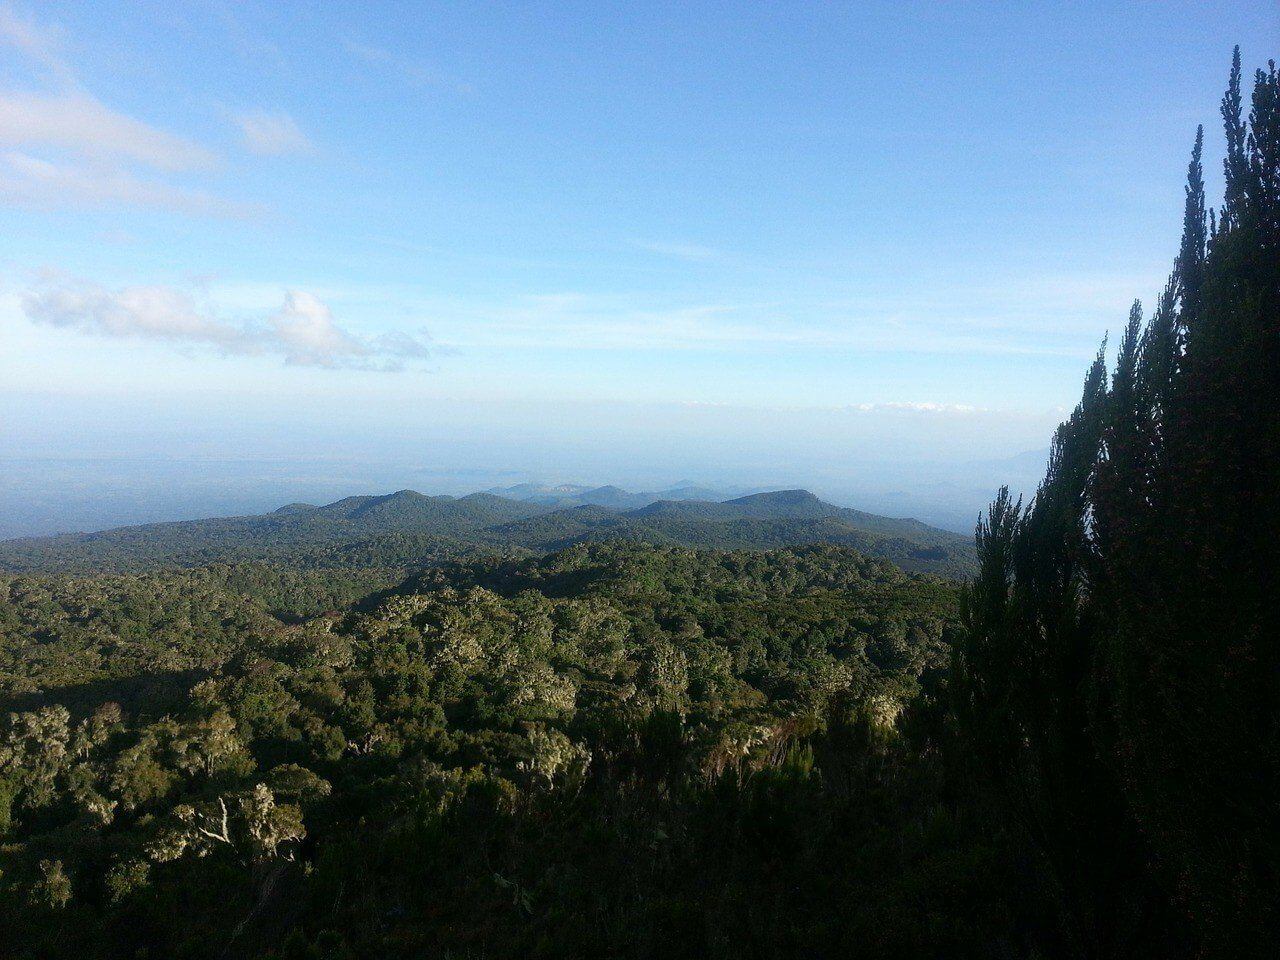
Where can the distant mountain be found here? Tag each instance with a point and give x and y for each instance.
(290, 508)
(759, 521)
(539, 491)
(294, 531)
(407, 529)
(408, 510)
(570, 495)
(780, 504)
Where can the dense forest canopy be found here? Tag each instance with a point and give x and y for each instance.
(432, 768)
(497, 730)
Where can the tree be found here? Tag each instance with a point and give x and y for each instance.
(1121, 671)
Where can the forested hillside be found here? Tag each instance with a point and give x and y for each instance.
(406, 530)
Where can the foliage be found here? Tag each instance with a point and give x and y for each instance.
(582, 754)
(406, 530)
(1120, 678)
(632, 748)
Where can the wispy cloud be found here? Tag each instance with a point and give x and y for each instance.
(31, 181)
(566, 321)
(302, 332)
(679, 250)
(271, 134)
(414, 72)
(69, 149)
(76, 122)
(41, 44)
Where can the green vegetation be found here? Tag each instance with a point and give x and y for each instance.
(482, 745)
(268, 737)
(406, 530)
(1120, 680)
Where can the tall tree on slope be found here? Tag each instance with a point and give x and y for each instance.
(1136, 677)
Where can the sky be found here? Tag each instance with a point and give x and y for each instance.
(867, 248)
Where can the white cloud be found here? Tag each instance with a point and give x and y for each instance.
(27, 180)
(306, 332)
(40, 44)
(76, 122)
(302, 332)
(69, 149)
(272, 134)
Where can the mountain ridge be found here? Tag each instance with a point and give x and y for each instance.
(408, 528)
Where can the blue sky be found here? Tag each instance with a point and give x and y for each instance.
(755, 240)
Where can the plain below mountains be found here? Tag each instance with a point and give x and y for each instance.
(407, 529)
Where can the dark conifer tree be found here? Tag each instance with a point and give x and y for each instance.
(1139, 615)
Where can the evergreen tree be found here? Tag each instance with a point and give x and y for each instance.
(1138, 655)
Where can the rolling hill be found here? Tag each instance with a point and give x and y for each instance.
(407, 529)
